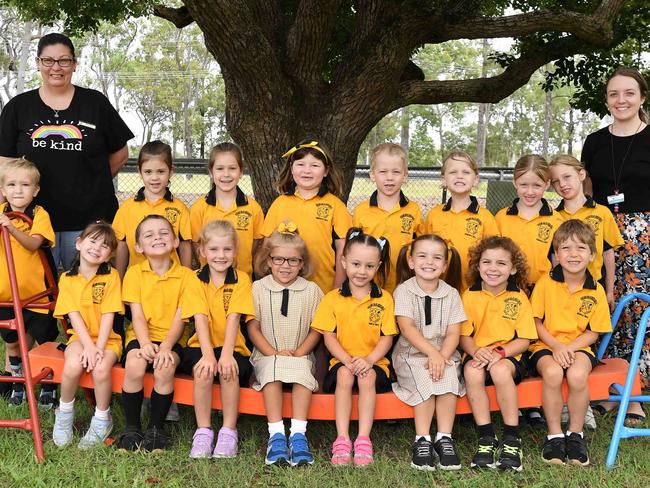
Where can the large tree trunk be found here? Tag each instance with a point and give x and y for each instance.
(548, 119)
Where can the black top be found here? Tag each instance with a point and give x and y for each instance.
(71, 152)
(634, 179)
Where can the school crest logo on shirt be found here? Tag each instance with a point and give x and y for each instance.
(587, 304)
(511, 308)
(472, 226)
(227, 295)
(98, 291)
(407, 223)
(243, 219)
(172, 215)
(323, 211)
(375, 314)
(594, 221)
(544, 230)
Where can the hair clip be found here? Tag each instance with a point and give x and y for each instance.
(287, 227)
(382, 242)
(354, 234)
(312, 145)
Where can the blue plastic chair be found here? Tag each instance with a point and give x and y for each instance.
(623, 392)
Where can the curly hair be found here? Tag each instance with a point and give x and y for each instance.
(517, 257)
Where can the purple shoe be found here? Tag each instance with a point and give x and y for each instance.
(202, 443)
(226, 443)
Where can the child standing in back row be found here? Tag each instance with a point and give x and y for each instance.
(310, 188)
(388, 212)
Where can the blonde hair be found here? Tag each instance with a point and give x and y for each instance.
(278, 239)
(459, 156)
(218, 228)
(535, 163)
(20, 163)
(391, 149)
(579, 230)
(567, 160)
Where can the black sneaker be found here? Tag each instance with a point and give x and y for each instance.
(130, 440)
(423, 455)
(535, 418)
(576, 449)
(155, 440)
(485, 454)
(446, 450)
(17, 395)
(510, 455)
(47, 397)
(554, 450)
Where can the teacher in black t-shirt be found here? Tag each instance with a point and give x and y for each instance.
(76, 139)
(617, 159)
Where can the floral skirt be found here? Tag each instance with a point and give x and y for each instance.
(632, 275)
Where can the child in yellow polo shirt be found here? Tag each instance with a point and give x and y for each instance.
(498, 330)
(357, 322)
(218, 348)
(461, 220)
(226, 201)
(155, 168)
(310, 186)
(567, 175)
(19, 184)
(388, 213)
(162, 294)
(570, 310)
(530, 221)
(89, 295)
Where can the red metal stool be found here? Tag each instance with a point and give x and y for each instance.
(17, 323)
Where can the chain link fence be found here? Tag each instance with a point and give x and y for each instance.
(190, 182)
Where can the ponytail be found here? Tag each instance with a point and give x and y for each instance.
(404, 271)
(454, 274)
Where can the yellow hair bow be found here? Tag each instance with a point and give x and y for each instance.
(312, 144)
(287, 227)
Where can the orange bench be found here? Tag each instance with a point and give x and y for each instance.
(610, 371)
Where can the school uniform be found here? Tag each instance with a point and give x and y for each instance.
(398, 225)
(321, 220)
(495, 320)
(285, 314)
(246, 216)
(136, 208)
(358, 324)
(91, 298)
(232, 297)
(601, 220)
(160, 297)
(534, 237)
(431, 314)
(567, 315)
(30, 275)
(463, 229)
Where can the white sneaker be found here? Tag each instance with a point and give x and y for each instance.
(590, 420)
(564, 418)
(97, 433)
(62, 431)
(173, 415)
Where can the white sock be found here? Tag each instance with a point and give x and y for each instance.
(568, 433)
(555, 436)
(297, 427)
(440, 435)
(102, 414)
(276, 428)
(426, 437)
(66, 406)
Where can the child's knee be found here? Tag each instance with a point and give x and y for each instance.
(135, 367)
(552, 374)
(163, 375)
(72, 369)
(344, 377)
(368, 380)
(474, 376)
(501, 373)
(577, 376)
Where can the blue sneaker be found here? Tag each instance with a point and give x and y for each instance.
(276, 452)
(299, 450)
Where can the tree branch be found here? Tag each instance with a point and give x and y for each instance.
(180, 17)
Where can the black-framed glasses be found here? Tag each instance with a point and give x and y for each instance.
(63, 62)
(279, 261)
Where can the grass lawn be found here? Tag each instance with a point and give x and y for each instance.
(105, 467)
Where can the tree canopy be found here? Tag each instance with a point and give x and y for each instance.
(332, 69)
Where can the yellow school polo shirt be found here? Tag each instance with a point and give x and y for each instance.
(358, 324)
(234, 296)
(321, 220)
(136, 208)
(602, 221)
(29, 270)
(534, 236)
(91, 298)
(245, 215)
(495, 320)
(399, 226)
(567, 315)
(463, 229)
(161, 296)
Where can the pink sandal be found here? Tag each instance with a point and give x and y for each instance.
(341, 451)
(362, 451)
